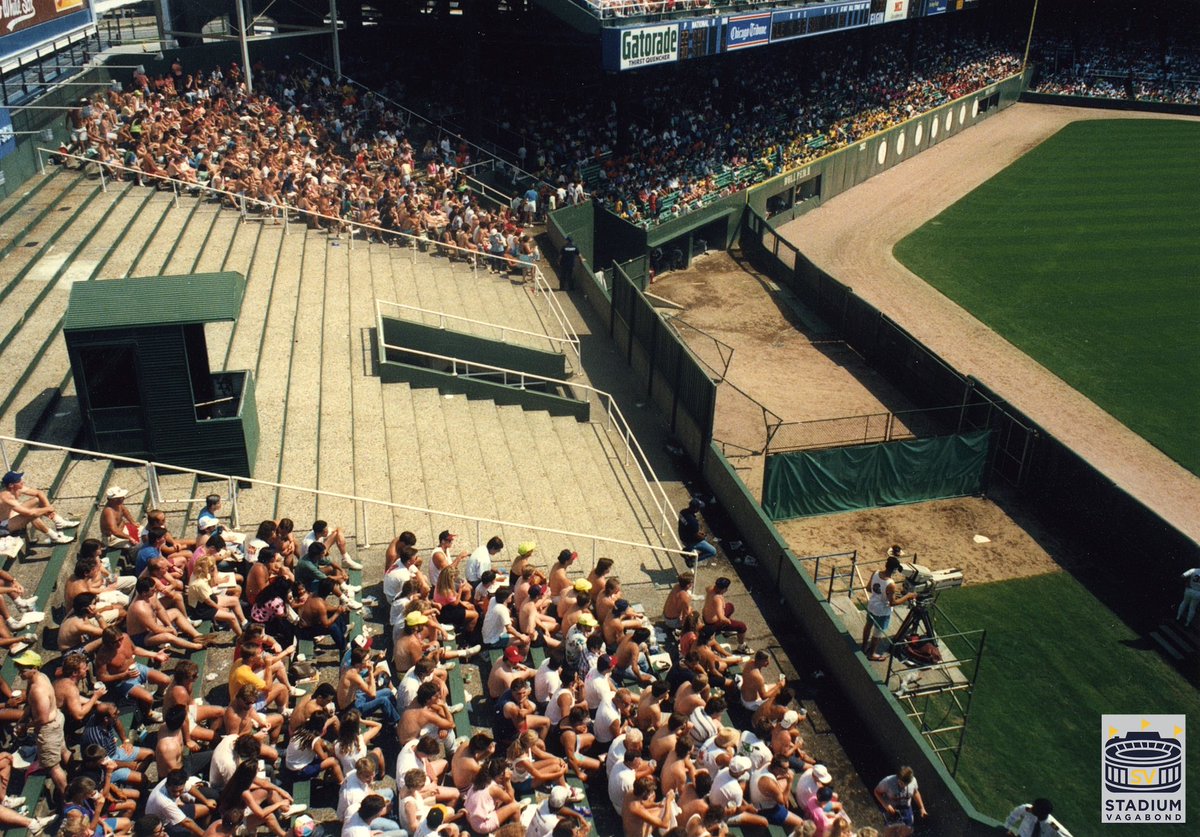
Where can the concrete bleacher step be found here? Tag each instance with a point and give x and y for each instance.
(584, 471)
(569, 492)
(246, 339)
(527, 470)
(16, 202)
(191, 243)
(465, 457)
(40, 240)
(433, 448)
(23, 214)
(252, 253)
(408, 484)
(140, 229)
(226, 229)
(336, 441)
(267, 356)
(299, 458)
(165, 240)
(511, 504)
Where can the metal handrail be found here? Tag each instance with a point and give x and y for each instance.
(502, 328)
(233, 484)
(472, 256)
(616, 419)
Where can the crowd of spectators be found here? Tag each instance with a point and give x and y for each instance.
(303, 142)
(588, 701)
(667, 155)
(1132, 69)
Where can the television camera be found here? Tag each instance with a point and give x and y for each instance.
(925, 584)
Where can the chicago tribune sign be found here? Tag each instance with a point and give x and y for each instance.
(648, 45)
(1142, 768)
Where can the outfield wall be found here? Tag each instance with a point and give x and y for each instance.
(1109, 104)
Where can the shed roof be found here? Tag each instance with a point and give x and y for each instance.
(154, 300)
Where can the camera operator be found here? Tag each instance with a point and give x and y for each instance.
(882, 599)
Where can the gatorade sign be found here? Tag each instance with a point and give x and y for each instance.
(647, 45)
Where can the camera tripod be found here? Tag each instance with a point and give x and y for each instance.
(919, 621)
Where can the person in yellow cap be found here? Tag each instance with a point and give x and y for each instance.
(45, 718)
(577, 597)
(524, 552)
(576, 641)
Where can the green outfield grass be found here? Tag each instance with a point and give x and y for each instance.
(1085, 253)
(1054, 661)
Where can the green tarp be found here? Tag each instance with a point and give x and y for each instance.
(804, 483)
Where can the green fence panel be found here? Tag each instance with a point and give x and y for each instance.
(803, 483)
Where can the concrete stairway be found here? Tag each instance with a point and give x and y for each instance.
(306, 331)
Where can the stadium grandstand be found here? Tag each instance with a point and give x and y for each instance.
(352, 482)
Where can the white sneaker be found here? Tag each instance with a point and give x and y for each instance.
(294, 809)
(59, 537)
(26, 619)
(27, 603)
(370, 601)
(472, 651)
(19, 761)
(39, 825)
(352, 588)
(347, 561)
(298, 692)
(14, 649)
(13, 801)
(350, 603)
(449, 665)
(456, 708)
(62, 522)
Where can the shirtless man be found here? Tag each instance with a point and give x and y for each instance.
(22, 505)
(534, 621)
(321, 700)
(180, 693)
(428, 713)
(627, 660)
(620, 619)
(73, 670)
(641, 816)
(81, 631)
(43, 716)
(679, 600)
(151, 625)
(606, 598)
(576, 597)
(717, 615)
(510, 669)
(754, 691)
(471, 757)
(156, 518)
(242, 716)
(173, 742)
(89, 577)
(415, 643)
(117, 526)
(126, 678)
(559, 581)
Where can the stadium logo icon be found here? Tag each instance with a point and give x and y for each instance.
(1142, 762)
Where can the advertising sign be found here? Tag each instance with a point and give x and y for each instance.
(935, 7)
(647, 45)
(895, 10)
(746, 31)
(25, 24)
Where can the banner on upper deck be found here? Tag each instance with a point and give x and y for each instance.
(895, 10)
(935, 7)
(744, 31)
(28, 24)
(641, 46)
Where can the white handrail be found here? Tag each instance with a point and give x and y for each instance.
(472, 256)
(233, 482)
(502, 328)
(616, 418)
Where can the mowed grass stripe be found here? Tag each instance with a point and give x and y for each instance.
(1085, 254)
(1054, 661)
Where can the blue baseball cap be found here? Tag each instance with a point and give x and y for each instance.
(13, 477)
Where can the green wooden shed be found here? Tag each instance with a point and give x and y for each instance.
(140, 361)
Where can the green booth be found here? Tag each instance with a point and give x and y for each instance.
(139, 357)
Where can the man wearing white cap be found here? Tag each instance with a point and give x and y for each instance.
(551, 812)
(727, 791)
(117, 526)
(22, 505)
(809, 782)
